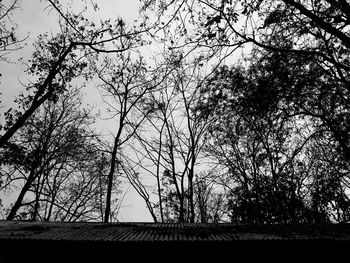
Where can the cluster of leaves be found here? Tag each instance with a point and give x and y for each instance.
(267, 122)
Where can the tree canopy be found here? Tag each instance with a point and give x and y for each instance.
(220, 111)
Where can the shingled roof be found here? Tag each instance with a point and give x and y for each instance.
(139, 240)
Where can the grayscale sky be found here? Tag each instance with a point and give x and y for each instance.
(34, 18)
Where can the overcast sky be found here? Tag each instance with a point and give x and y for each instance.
(34, 18)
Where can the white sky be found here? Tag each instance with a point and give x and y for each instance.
(33, 18)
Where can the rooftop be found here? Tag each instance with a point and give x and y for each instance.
(148, 232)
(94, 242)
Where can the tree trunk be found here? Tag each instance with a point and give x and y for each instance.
(38, 192)
(158, 179)
(38, 100)
(22, 119)
(37, 197)
(110, 181)
(190, 197)
(19, 200)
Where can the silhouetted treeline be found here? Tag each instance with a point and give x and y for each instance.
(243, 115)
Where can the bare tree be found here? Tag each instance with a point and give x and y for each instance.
(66, 56)
(53, 162)
(125, 85)
(172, 141)
(313, 30)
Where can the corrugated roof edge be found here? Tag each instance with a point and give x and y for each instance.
(164, 232)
